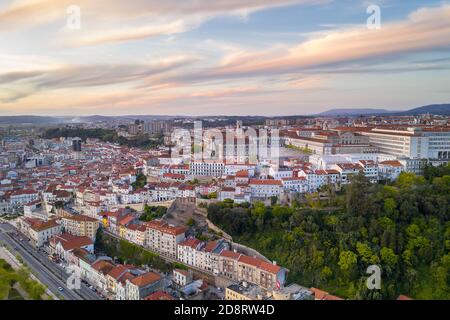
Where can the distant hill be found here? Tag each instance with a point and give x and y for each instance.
(352, 112)
(437, 109)
(35, 120)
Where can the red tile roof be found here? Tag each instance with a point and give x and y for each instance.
(260, 264)
(159, 295)
(191, 242)
(323, 295)
(146, 279)
(230, 254)
(103, 266)
(164, 227)
(265, 182)
(70, 242)
(117, 271)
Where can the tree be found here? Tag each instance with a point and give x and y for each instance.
(358, 195)
(141, 181)
(347, 261)
(389, 259)
(366, 254)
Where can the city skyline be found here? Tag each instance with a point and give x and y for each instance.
(288, 57)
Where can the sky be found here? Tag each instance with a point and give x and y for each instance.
(221, 57)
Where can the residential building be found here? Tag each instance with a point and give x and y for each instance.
(80, 225)
(164, 238)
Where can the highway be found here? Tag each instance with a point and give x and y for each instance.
(48, 272)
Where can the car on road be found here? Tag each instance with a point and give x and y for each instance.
(60, 289)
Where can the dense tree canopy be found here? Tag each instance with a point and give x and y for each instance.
(106, 135)
(402, 227)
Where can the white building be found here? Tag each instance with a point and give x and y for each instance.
(412, 142)
(390, 170)
(265, 188)
(164, 238)
(187, 251)
(207, 168)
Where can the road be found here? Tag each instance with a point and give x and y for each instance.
(48, 272)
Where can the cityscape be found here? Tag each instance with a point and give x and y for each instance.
(234, 177)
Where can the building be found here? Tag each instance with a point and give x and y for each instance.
(390, 169)
(155, 127)
(228, 264)
(20, 197)
(39, 231)
(265, 188)
(164, 238)
(325, 142)
(182, 277)
(424, 142)
(323, 295)
(187, 251)
(370, 169)
(80, 225)
(76, 144)
(62, 245)
(99, 274)
(142, 286)
(264, 274)
(207, 168)
(346, 170)
(159, 295)
(244, 291)
(207, 258)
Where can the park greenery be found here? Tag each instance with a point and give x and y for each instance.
(10, 279)
(141, 181)
(303, 150)
(106, 135)
(152, 212)
(329, 239)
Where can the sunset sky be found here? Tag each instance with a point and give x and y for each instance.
(224, 57)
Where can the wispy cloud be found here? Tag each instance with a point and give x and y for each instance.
(138, 19)
(122, 57)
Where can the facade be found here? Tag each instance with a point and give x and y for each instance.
(207, 168)
(390, 169)
(412, 142)
(228, 264)
(142, 286)
(187, 251)
(265, 188)
(244, 291)
(80, 225)
(346, 170)
(20, 197)
(261, 273)
(40, 231)
(181, 277)
(164, 238)
(62, 245)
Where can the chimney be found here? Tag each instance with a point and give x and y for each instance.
(274, 262)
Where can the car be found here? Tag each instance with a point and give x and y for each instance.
(60, 289)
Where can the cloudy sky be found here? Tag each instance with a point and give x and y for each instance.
(227, 57)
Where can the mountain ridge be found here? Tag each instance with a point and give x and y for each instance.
(437, 109)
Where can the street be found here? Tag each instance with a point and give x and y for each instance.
(48, 272)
